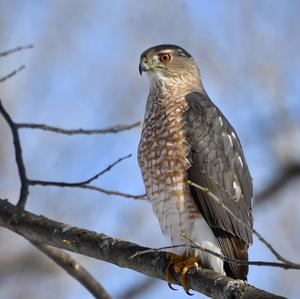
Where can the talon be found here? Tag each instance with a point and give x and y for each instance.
(172, 288)
(190, 294)
(169, 277)
(181, 264)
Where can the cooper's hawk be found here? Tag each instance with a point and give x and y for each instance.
(186, 138)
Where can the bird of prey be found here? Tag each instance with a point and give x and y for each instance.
(190, 155)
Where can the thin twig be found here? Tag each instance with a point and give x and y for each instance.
(86, 184)
(19, 158)
(221, 256)
(114, 129)
(113, 192)
(83, 186)
(108, 168)
(275, 252)
(22, 67)
(17, 49)
(258, 235)
(71, 266)
(25, 182)
(283, 265)
(78, 184)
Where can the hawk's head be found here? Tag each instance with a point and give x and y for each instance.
(168, 61)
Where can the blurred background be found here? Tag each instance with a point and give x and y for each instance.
(83, 73)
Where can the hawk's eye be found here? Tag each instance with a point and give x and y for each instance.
(164, 57)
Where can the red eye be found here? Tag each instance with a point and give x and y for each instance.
(165, 58)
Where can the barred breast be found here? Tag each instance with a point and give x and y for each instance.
(163, 158)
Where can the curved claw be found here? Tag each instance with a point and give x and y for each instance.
(182, 265)
(172, 288)
(169, 277)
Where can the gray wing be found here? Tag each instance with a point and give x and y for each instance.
(218, 163)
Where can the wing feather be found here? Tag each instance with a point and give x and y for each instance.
(218, 163)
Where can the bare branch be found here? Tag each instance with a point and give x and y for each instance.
(25, 182)
(84, 186)
(275, 252)
(258, 235)
(79, 184)
(61, 258)
(11, 74)
(17, 49)
(236, 261)
(114, 129)
(100, 246)
(113, 192)
(72, 267)
(108, 168)
(19, 158)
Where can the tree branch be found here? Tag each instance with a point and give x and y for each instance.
(43, 230)
(114, 129)
(84, 186)
(19, 158)
(196, 245)
(25, 182)
(11, 74)
(8, 52)
(78, 184)
(102, 172)
(58, 256)
(17, 49)
(283, 265)
(72, 267)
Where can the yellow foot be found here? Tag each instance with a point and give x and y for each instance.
(181, 264)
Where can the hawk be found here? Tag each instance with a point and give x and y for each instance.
(186, 138)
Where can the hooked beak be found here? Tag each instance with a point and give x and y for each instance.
(144, 66)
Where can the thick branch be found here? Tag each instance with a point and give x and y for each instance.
(72, 267)
(100, 246)
(114, 129)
